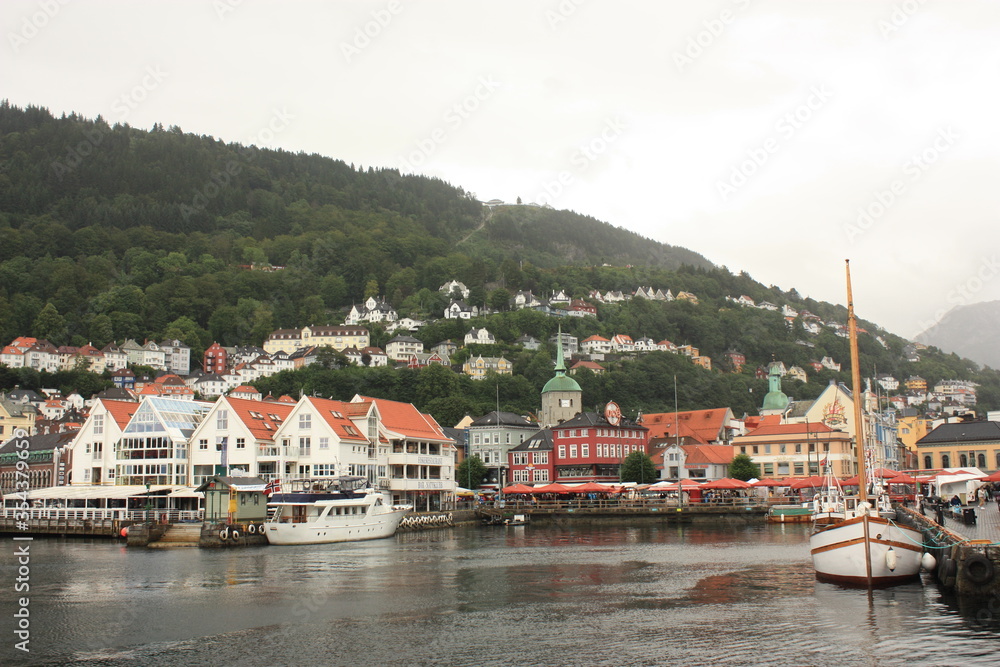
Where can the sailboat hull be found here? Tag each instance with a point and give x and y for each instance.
(839, 552)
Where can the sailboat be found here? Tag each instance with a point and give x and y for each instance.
(859, 545)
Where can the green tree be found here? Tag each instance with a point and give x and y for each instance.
(50, 325)
(470, 473)
(743, 467)
(638, 467)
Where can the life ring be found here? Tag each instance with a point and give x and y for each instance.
(235, 535)
(978, 569)
(224, 534)
(251, 528)
(260, 528)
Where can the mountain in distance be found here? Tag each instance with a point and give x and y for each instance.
(968, 331)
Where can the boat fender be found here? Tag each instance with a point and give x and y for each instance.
(927, 561)
(124, 532)
(251, 528)
(224, 534)
(890, 559)
(235, 535)
(978, 569)
(260, 528)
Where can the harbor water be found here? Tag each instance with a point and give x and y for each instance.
(577, 594)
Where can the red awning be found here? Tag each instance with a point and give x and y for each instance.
(813, 482)
(518, 488)
(552, 488)
(593, 487)
(726, 483)
(767, 482)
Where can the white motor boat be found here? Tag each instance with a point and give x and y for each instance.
(341, 509)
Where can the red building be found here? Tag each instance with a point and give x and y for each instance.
(216, 360)
(586, 448)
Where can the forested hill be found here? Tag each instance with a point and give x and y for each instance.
(109, 233)
(84, 173)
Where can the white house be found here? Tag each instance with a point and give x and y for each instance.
(479, 336)
(93, 447)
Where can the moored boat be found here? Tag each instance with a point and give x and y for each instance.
(340, 509)
(852, 542)
(790, 514)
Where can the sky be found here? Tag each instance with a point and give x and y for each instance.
(776, 138)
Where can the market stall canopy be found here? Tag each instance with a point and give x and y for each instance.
(518, 488)
(593, 487)
(767, 482)
(726, 483)
(552, 488)
(995, 477)
(813, 482)
(466, 493)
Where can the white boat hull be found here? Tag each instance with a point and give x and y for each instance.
(336, 529)
(839, 552)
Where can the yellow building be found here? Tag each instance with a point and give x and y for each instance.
(477, 367)
(961, 445)
(915, 383)
(339, 337)
(14, 415)
(912, 429)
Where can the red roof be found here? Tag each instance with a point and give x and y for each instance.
(703, 426)
(336, 415)
(791, 429)
(120, 411)
(708, 454)
(405, 419)
(258, 416)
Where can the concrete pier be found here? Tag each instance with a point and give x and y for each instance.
(968, 555)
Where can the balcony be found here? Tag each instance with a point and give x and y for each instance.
(416, 460)
(397, 484)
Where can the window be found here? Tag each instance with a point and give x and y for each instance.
(754, 449)
(522, 475)
(304, 446)
(767, 449)
(542, 475)
(305, 421)
(783, 469)
(542, 458)
(562, 451)
(241, 443)
(781, 449)
(799, 469)
(584, 451)
(519, 459)
(981, 461)
(98, 424)
(928, 463)
(572, 451)
(798, 449)
(203, 444)
(565, 402)
(963, 460)
(743, 450)
(324, 443)
(768, 469)
(945, 461)
(222, 420)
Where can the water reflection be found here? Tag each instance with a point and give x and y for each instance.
(539, 594)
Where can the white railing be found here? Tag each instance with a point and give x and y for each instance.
(96, 514)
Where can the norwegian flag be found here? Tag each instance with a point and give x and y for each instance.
(274, 486)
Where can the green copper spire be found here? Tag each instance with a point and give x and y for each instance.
(560, 382)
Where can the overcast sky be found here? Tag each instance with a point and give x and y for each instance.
(776, 138)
